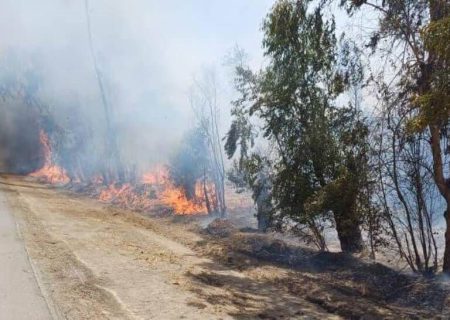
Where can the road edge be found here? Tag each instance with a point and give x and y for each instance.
(53, 309)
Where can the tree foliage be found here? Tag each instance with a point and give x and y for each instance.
(413, 36)
(321, 147)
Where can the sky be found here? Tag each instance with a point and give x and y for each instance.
(149, 52)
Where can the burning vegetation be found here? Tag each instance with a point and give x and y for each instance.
(50, 172)
(155, 188)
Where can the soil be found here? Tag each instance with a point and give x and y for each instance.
(95, 261)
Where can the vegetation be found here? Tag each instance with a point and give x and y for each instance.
(204, 102)
(318, 157)
(320, 168)
(336, 130)
(419, 91)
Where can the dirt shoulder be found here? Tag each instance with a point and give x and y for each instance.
(99, 262)
(17, 279)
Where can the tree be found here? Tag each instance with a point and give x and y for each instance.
(204, 102)
(254, 173)
(252, 170)
(321, 148)
(113, 165)
(406, 192)
(415, 34)
(190, 164)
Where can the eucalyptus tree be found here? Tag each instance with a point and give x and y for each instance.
(319, 170)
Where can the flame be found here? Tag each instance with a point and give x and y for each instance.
(155, 188)
(49, 172)
(175, 198)
(127, 196)
(158, 176)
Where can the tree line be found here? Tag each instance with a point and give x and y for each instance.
(331, 156)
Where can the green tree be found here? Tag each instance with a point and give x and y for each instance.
(319, 170)
(418, 31)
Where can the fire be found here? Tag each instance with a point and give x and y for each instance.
(50, 172)
(175, 198)
(172, 196)
(127, 196)
(155, 187)
(158, 176)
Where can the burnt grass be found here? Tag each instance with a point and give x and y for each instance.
(338, 283)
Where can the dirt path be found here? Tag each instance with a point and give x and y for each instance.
(93, 261)
(96, 262)
(20, 295)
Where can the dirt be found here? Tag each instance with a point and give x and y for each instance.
(17, 278)
(98, 262)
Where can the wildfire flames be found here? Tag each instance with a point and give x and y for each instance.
(50, 172)
(175, 197)
(154, 188)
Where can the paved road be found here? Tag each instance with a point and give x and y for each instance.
(20, 296)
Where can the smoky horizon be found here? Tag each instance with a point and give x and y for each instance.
(148, 56)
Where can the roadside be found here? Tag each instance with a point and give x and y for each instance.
(20, 295)
(100, 262)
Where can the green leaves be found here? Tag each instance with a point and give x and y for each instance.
(317, 145)
(433, 104)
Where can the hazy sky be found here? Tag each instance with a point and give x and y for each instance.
(155, 45)
(149, 52)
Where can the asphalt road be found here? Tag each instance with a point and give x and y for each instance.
(20, 296)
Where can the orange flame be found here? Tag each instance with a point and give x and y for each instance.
(50, 172)
(126, 196)
(156, 188)
(175, 198)
(158, 176)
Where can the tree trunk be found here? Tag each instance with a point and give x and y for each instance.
(349, 233)
(446, 266)
(437, 11)
(438, 170)
(263, 215)
(114, 170)
(263, 220)
(205, 192)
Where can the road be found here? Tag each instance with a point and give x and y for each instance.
(93, 261)
(20, 295)
(65, 256)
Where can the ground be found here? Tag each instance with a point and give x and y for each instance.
(17, 279)
(94, 261)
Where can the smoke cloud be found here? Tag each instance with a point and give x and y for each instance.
(148, 54)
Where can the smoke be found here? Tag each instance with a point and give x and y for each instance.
(148, 53)
(19, 153)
